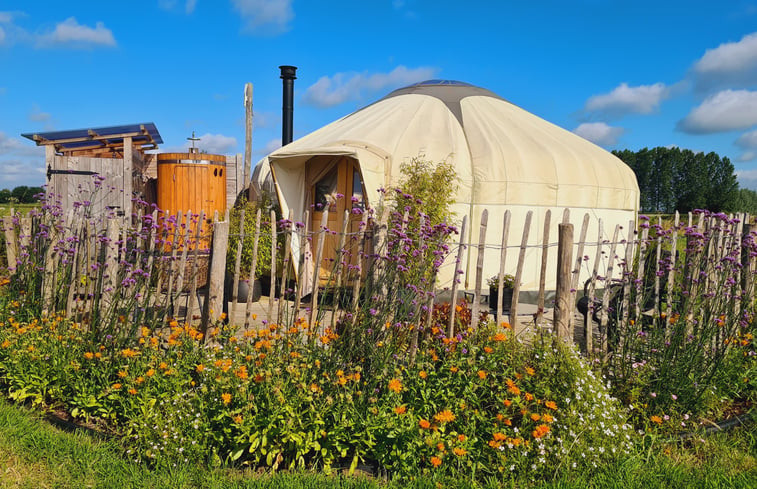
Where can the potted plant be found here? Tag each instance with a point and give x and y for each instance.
(508, 282)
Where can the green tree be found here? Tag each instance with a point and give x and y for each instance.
(673, 179)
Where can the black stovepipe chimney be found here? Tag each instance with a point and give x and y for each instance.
(288, 74)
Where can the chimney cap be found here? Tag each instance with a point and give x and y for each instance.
(288, 72)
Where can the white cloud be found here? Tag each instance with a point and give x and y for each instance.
(733, 63)
(265, 16)
(36, 115)
(21, 162)
(747, 178)
(727, 110)
(643, 99)
(261, 120)
(2, 35)
(71, 33)
(343, 87)
(746, 156)
(747, 140)
(599, 133)
(5, 17)
(190, 6)
(215, 143)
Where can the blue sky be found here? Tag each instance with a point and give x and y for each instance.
(622, 74)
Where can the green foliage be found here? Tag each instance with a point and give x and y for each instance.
(673, 179)
(263, 263)
(426, 187)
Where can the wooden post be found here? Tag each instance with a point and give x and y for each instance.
(248, 140)
(502, 257)
(519, 271)
(671, 273)
(563, 307)
(456, 280)
(182, 263)
(608, 290)
(543, 273)
(362, 243)
(588, 320)
(256, 239)
(128, 178)
(217, 268)
(301, 262)
(339, 265)
(317, 269)
(479, 269)
(658, 254)
(237, 266)
(192, 296)
(285, 270)
(11, 243)
(418, 322)
(274, 246)
(747, 242)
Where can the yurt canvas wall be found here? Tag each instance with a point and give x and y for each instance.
(505, 157)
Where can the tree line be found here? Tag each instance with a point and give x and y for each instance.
(674, 179)
(20, 195)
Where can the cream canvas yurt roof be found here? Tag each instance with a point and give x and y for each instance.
(505, 158)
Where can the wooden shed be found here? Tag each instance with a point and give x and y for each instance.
(105, 166)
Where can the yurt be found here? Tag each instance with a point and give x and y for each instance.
(505, 157)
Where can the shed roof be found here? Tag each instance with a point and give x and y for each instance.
(144, 134)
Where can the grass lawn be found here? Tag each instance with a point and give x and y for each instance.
(37, 454)
(23, 209)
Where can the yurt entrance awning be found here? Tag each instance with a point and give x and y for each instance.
(145, 136)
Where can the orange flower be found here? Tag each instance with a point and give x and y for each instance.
(499, 337)
(540, 431)
(400, 409)
(132, 391)
(200, 367)
(122, 374)
(395, 385)
(237, 419)
(547, 418)
(507, 402)
(535, 417)
(529, 396)
(512, 388)
(139, 380)
(506, 325)
(481, 374)
(551, 405)
(436, 461)
(656, 419)
(461, 437)
(445, 416)
(453, 369)
(422, 374)
(530, 371)
(163, 366)
(424, 424)
(129, 353)
(116, 386)
(499, 436)
(226, 397)
(460, 452)
(88, 355)
(150, 372)
(488, 349)
(440, 446)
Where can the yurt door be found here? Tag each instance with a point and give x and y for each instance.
(338, 186)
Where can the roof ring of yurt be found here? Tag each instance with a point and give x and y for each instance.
(505, 157)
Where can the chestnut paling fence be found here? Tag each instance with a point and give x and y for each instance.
(161, 266)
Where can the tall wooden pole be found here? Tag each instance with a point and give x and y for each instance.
(563, 307)
(248, 140)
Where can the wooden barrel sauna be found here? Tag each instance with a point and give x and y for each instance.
(192, 182)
